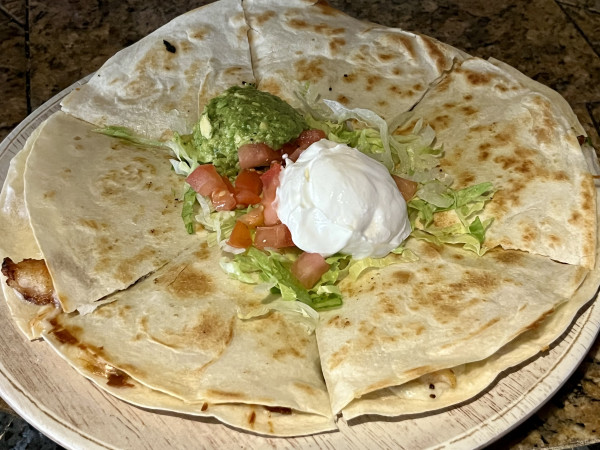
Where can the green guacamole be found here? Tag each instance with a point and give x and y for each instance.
(242, 115)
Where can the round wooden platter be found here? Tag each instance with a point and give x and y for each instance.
(56, 399)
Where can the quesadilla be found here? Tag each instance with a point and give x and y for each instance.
(148, 313)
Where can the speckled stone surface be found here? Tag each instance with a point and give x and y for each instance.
(47, 46)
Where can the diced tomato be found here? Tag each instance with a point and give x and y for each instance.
(240, 236)
(230, 187)
(407, 188)
(249, 180)
(309, 268)
(205, 180)
(302, 142)
(309, 137)
(245, 198)
(276, 236)
(223, 200)
(270, 181)
(257, 155)
(253, 218)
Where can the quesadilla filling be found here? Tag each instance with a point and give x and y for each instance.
(31, 279)
(299, 200)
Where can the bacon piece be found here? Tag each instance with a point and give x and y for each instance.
(31, 279)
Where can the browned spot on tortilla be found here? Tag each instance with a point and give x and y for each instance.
(536, 323)
(203, 252)
(204, 406)
(402, 276)
(373, 81)
(67, 337)
(343, 99)
(449, 105)
(338, 356)
(335, 44)
(349, 77)
(384, 57)
(466, 178)
(560, 176)
(382, 103)
(298, 24)
(387, 305)
(264, 17)
(468, 97)
(468, 110)
(396, 71)
(435, 53)
(190, 283)
(338, 322)
(288, 351)
(555, 241)
(49, 194)
(119, 379)
(201, 33)
(507, 256)
(252, 419)
(477, 79)
(309, 69)
(126, 269)
(307, 388)
(225, 394)
(440, 122)
(92, 224)
(587, 188)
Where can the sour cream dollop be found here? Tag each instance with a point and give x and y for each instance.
(336, 199)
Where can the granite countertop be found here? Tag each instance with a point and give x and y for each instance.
(47, 46)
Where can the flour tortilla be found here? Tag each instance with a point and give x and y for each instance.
(161, 83)
(104, 212)
(295, 43)
(499, 126)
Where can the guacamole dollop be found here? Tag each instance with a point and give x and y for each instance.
(243, 115)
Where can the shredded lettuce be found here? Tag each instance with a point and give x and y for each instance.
(128, 135)
(273, 268)
(463, 227)
(301, 312)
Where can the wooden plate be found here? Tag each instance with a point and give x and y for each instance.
(71, 410)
